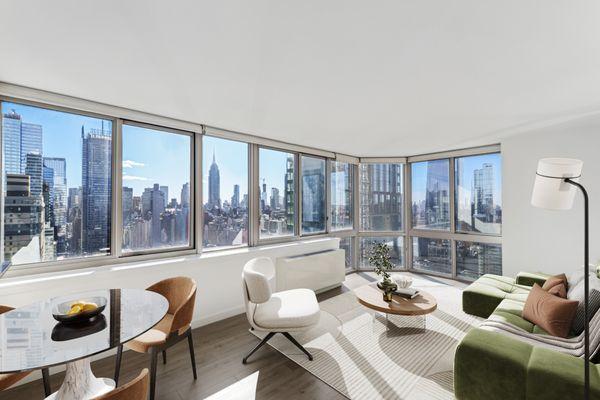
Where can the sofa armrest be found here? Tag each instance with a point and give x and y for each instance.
(529, 278)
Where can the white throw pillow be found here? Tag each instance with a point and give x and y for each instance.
(577, 292)
(576, 277)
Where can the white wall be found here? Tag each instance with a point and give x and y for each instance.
(217, 275)
(543, 240)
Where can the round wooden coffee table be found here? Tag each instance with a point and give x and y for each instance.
(372, 297)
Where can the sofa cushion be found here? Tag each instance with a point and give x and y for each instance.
(556, 285)
(483, 296)
(552, 313)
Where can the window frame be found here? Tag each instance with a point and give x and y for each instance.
(119, 115)
(358, 206)
(452, 235)
(354, 171)
(68, 263)
(327, 195)
(297, 209)
(119, 202)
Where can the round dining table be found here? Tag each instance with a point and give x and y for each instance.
(31, 339)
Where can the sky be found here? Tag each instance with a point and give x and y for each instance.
(152, 156)
(232, 160)
(149, 156)
(61, 134)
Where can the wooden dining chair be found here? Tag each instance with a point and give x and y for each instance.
(136, 389)
(173, 328)
(7, 380)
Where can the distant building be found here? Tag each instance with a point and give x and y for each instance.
(11, 139)
(214, 185)
(58, 192)
(23, 216)
(33, 168)
(96, 190)
(31, 142)
(127, 203)
(185, 196)
(165, 192)
(235, 199)
(275, 202)
(158, 207)
(289, 196)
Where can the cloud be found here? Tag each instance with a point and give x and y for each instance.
(134, 178)
(132, 164)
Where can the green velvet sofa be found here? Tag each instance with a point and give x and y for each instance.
(492, 366)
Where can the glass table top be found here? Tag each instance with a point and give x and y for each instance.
(30, 337)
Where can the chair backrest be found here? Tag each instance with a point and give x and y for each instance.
(255, 277)
(181, 294)
(136, 389)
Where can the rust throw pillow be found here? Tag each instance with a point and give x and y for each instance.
(551, 313)
(554, 281)
(559, 290)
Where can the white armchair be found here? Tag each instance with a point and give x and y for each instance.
(281, 312)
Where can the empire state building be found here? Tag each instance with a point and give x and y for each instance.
(214, 185)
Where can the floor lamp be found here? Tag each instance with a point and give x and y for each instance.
(556, 181)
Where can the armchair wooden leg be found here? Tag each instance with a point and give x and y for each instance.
(192, 355)
(46, 380)
(265, 340)
(164, 355)
(118, 364)
(154, 356)
(298, 345)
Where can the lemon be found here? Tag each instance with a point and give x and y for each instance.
(75, 309)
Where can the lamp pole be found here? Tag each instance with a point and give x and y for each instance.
(586, 269)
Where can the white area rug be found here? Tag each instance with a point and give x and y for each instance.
(364, 356)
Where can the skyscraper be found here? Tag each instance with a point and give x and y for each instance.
(31, 142)
(23, 219)
(235, 199)
(185, 196)
(158, 207)
(96, 190)
(275, 204)
(289, 195)
(165, 192)
(59, 188)
(214, 185)
(33, 168)
(127, 203)
(437, 204)
(483, 192)
(11, 138)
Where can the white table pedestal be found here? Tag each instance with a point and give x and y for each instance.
(81, 384)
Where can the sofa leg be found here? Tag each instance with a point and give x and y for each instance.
(298, 345)
(265, 340)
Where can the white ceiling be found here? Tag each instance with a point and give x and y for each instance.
(366, 78)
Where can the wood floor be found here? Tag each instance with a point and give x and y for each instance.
(220, 348)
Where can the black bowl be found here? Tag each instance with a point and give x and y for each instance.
(63, 332)
(59, 311)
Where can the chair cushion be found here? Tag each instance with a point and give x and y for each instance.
(290, 309)
(154, 337)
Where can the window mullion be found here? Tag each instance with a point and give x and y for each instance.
(117, 189)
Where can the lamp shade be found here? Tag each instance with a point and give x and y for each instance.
(550, 190)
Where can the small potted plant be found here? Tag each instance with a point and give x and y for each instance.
(379, 258)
